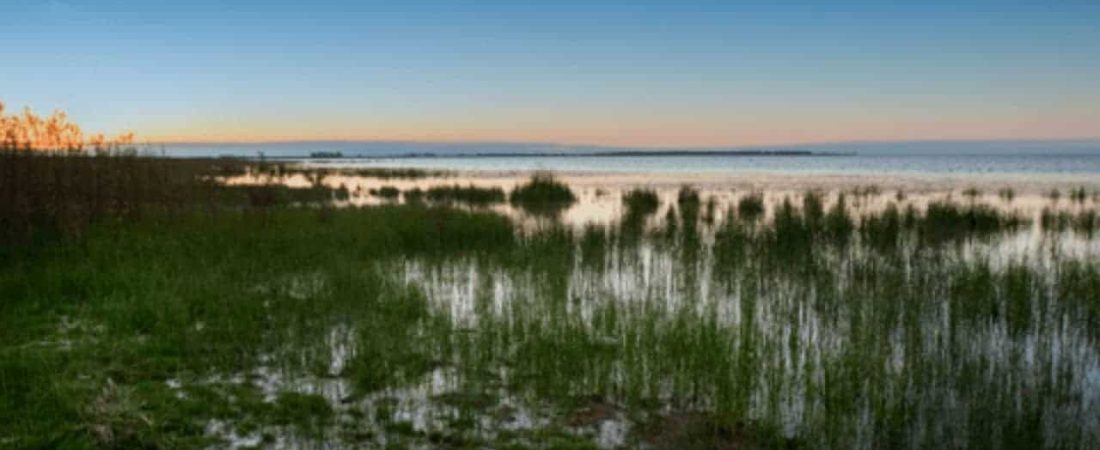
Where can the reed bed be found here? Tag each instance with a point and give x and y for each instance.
(470, 195)
(641, 202)
(804, 322)
(386, 192)
(542, 195)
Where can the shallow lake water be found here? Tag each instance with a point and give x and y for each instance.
(839, 341)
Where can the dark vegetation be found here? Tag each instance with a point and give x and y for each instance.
(386, 192)
(46, 194)
(542, 195)
(641, 202)
(751, 206)
(471, 195)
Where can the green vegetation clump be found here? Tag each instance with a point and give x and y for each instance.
(386, 192)
(866, 191)
(542, 194)
(945, 221)
(471, 195)
(414, 196)
(813, 207)
(885, 231)
(1084, 221)
(306, 411)
(751, 206)
(689, 202)
(1079, 194)
(388, 173)
(838, 222)
(641, 202)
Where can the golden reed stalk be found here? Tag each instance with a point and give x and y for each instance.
(28, 131)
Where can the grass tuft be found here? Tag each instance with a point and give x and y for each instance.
(543, 194)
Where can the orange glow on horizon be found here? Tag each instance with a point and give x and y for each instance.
(646, 135)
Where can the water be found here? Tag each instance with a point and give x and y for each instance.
(985, 338)
(1078, 159)
(841, 345)
(600, 195)
(847, 165)
(988, 337)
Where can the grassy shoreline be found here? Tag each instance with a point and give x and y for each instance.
(238, 320)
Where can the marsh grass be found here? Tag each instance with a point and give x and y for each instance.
(641, 202)
(1079, 194)
(944, 221)
(542, 195)
(470, 195)
(813, 325)
(386, 192)
(690, 204)
(45, 193)
(751, 206)
(1084, 221)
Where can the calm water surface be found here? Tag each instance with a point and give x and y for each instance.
(1076, 158)
(856, 164)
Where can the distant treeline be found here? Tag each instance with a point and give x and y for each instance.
(600, 154)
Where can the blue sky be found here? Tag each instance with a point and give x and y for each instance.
(604, 73)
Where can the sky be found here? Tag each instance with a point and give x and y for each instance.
(636, 74)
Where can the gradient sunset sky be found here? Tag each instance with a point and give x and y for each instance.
(646, 74)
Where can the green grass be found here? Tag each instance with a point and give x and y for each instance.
(751, 207)
(386, 192)
(641, 202)
(815, 325)
(543, 195)
(471, 195)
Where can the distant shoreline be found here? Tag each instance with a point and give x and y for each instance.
(600, 154)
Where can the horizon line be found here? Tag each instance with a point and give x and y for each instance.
(1077, 140)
